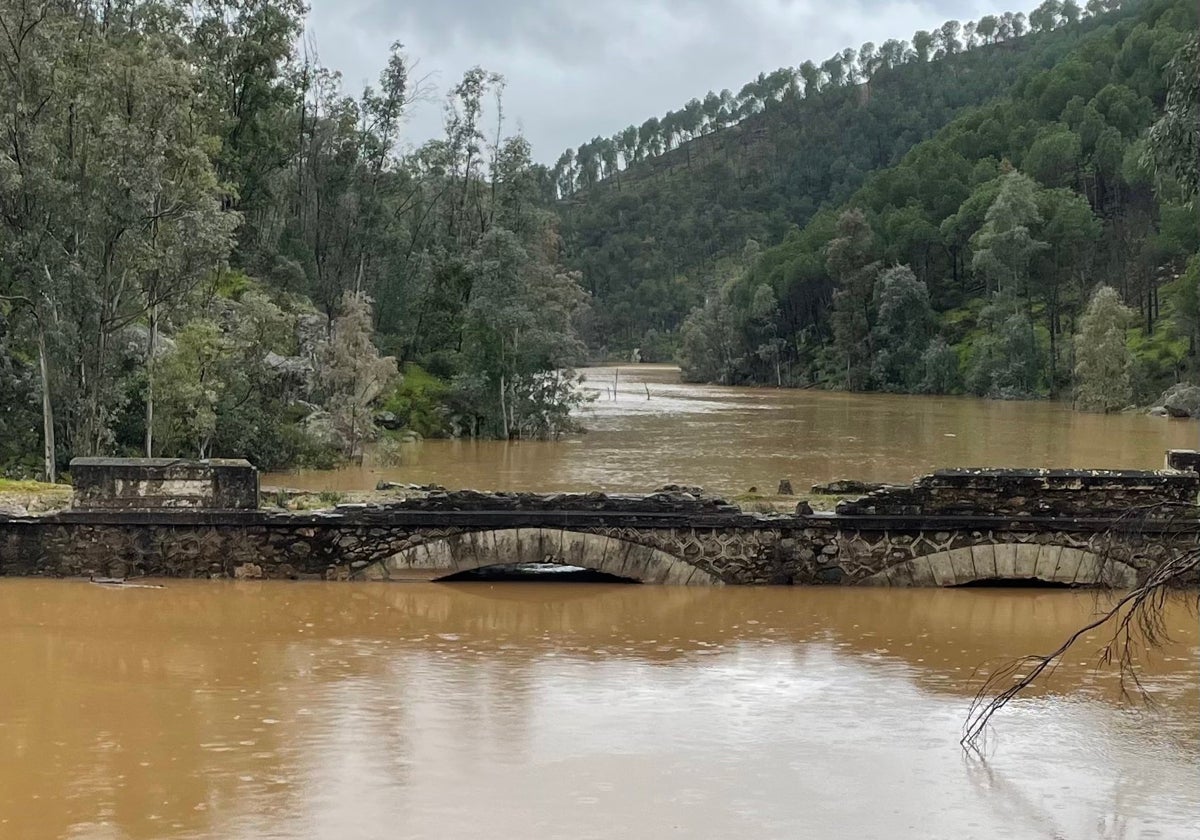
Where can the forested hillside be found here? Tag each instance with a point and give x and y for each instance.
(658, 214)
(969, 266)
(209, 246)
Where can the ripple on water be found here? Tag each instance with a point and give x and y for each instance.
(581, 712)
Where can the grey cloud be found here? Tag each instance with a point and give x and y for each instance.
(576, 70)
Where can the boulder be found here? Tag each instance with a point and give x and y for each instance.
(295, 367)
(311, 331)
(388, 420)
(319, 426)
(1182, 400)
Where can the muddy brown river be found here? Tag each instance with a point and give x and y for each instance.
(290, 710)
(218, 709)
(657, 431)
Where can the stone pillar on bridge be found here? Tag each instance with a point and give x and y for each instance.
(1184, 460)
(164, 483)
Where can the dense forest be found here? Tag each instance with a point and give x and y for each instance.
(982, 261)
(209, 247)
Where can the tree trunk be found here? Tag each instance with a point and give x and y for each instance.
(49, 466)
(150, 350)
(503, 409)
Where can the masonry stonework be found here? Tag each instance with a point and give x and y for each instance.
(170, 483)
(1082, 528)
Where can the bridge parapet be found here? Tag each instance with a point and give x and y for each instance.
(1083, 528)
(171, 483)
(1039, 493)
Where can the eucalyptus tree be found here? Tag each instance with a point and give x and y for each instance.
(1103, 361)
(692, 118)
(243, 52)
(1175, 138)
(1005, 245)
(565, 173)
(749, 99)
(969, 35)
(518, 336)
(609, 156)
(834, 70)
(903, 326)
(650, 135)
(851, 262)
(850, 65)
(106, 132)
(893, 52)
(711, 109)
(633, 148)
(588, 162)
(1004, 27)
(727, 115)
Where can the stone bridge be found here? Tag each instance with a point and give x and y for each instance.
(955, 527)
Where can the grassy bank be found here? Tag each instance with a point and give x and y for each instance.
(17, 495)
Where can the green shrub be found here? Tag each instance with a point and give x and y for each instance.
(330, 498)
(418, 402)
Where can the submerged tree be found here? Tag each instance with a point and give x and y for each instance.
(903, 326)
(353, 374)
(519, 336)
(850, 258)
(1102, 358)
(708, 342)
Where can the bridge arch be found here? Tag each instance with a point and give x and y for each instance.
(450, 555)
(1009, 561)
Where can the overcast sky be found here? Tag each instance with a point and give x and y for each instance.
(576, 69)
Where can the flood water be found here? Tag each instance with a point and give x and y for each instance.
(220, 709)
(285, 710)
(657, 431)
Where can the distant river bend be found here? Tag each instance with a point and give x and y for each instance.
(650, 430)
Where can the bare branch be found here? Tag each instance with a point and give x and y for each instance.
(1136, 618)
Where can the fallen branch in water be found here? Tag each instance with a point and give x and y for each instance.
(1137, 621)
